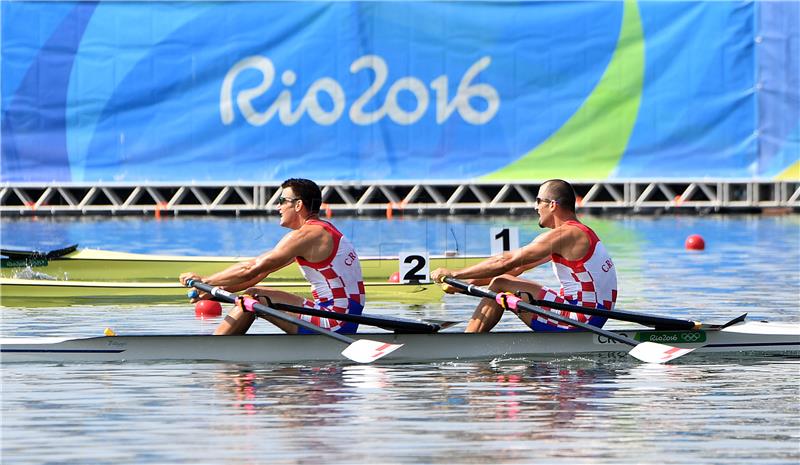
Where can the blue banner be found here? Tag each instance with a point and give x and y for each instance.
(262, 91)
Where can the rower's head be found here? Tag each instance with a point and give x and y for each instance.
(300, 199)
(556, 199)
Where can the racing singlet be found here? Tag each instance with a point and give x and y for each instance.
(336, 283)
(589, 282)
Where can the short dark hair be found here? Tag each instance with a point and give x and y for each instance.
(306, 190)
(562, 192)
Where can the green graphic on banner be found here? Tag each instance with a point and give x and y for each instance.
(591, 143)
(791, 173)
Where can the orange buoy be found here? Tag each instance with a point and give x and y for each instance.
(395, 277)
(207, 309)
(695, 242)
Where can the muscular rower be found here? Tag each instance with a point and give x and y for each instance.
(580, 262)
(326, 258)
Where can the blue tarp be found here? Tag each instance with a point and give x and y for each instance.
(262, 91)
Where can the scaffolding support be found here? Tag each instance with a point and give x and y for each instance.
(416, 197)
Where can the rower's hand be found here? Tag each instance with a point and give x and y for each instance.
(438, 276)
(186, 277)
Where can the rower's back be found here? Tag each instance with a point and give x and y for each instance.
(338, 277)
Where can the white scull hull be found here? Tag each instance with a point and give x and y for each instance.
(747, 337)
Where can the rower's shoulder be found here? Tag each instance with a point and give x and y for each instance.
(568, 233)
(576, 227)
(313, 232)
(570, 227)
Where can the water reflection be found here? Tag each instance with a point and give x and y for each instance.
(507, 410)
(305, 394)
(549, 393)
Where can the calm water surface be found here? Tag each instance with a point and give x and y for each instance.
(570, 410)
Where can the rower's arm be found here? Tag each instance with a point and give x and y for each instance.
(515, 272)
(515, 262)
(521, 269)
(248, 273)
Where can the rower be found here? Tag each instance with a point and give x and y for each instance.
(581, 263)
(326, 258)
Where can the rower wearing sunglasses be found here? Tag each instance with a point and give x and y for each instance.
(580, 262)
(326, 258)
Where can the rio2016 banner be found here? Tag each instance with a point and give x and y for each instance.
(262, 91)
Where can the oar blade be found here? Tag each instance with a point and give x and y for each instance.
(367, 351)
(653, 352)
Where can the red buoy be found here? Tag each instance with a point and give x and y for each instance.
(395, 277)
(207, 309)
(695, 242)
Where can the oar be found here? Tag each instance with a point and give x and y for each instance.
(361, 351)
(389, 323)
(36, 254)
(385, 322)
(658, 322)
(651, 352)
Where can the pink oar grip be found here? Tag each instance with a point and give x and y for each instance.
(507, 300)
(248, 302)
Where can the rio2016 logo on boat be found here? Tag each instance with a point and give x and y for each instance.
(662, 337)
(666, 337)
(310, 104)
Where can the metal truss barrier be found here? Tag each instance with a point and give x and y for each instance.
(390, 198)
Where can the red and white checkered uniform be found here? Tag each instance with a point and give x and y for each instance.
(588, 282)
(336, 282)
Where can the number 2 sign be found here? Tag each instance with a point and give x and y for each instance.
(414, 267)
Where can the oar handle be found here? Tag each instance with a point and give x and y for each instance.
(514, 302)
(263, 310)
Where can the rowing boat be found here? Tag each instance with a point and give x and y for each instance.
(47, 293)
(743, 338)
(75, 264)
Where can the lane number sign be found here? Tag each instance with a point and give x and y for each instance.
(503, 239)
(414, 267)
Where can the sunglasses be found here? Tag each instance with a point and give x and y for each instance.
(282, 200)
(548, 201)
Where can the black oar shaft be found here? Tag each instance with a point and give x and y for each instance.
(38, 254)
(658, 322)
(263, 311)
(395, 324)
(480, 292)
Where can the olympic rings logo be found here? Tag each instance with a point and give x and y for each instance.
(692, 337)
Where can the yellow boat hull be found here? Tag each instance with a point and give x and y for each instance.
(45, 293)
(105, 265)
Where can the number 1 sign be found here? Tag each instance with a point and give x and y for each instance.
(504, 239)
